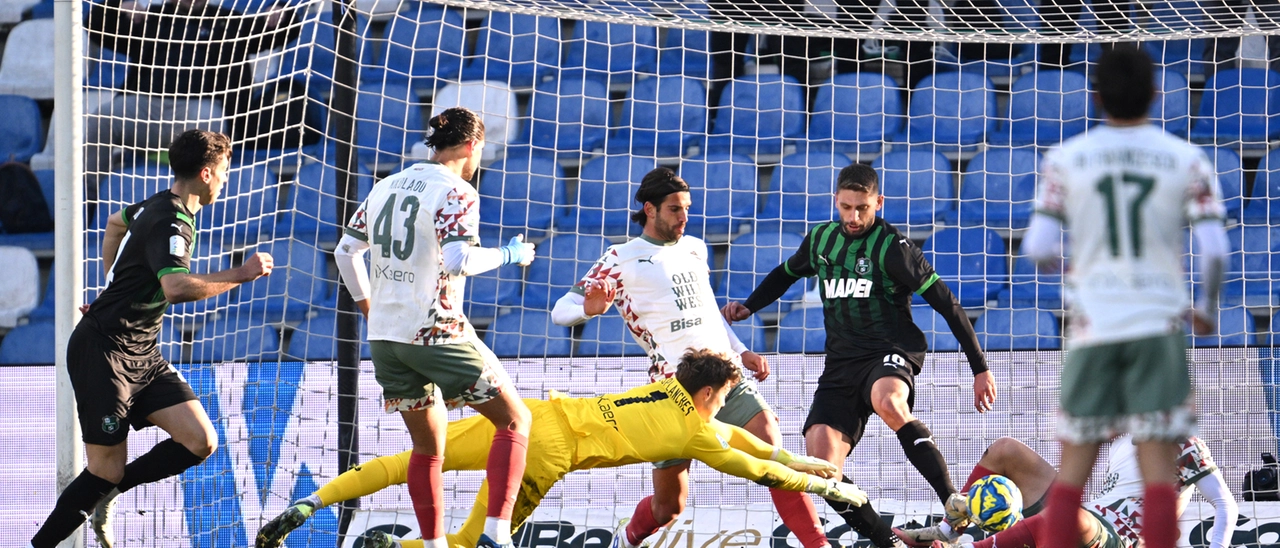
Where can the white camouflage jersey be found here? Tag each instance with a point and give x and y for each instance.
(406, 219)
(1125, 194)
(1120, 502)
(663, 292)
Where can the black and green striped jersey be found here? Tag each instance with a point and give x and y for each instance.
(866, 283)
(158, 241)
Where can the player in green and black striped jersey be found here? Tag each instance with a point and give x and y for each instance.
(867, 273)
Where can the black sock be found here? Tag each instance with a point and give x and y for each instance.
(864, 520)
(71, 509)
(917, 443)
(167, 458)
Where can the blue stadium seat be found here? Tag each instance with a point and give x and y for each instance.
(917, 186)
(1264, 203)
(109, 69)
(1045, 108)
(40, 243)
(802, 331)
(312, 212)
(248, 205)
(801, 190)
(1253, 268)
(661, 117)
(972, 260)
(607, 335)
(723, 190)
(236, 338)
(1031, 287)
(562, 260)
(21, 135)
(32, 343)
(485, 291)
(424, 44)
(316, 339)
(301, 278)
(47, 308)
(686, 52)
(1182, 56)
(952, 110)
(1231, 177)
(1171, 108)
(757, 114)
(46, 178)
(1018, 329)
(569, 114)
(751, 332)
(1239, 106)
(131, 185)
(936, 331)
(856, 112)
(1235, 328)
(1273, 337)
(520, 194)
(998, 188)
(313, 55)
(613, 51)
(515, 49)
(751, 257)
(388, 122)
(606, 187)
(528, 334)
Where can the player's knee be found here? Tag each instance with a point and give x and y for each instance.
(765, 426)
(203, 444)
(111, 472)
(1000, 451)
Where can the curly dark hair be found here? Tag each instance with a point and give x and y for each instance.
(195, 150)
(699, 369)
(453, 127)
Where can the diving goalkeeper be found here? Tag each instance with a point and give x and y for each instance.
(669, 419)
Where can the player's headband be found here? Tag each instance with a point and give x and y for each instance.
(657, 184)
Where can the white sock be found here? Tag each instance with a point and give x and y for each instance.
(498, 529)
(441, 542)
(944, 527)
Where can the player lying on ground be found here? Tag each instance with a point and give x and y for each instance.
(1109, 521)
(669, 419)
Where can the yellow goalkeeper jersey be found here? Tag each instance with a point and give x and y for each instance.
(658, 422)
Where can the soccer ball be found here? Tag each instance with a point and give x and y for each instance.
(995, 503)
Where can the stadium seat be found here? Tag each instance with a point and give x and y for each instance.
(1253, 267)
(236, 338)
(1263, 206)
(313, 55)
(248, 205)
(1182, 56)
(800, 194)
(661, 116)
(312, 211)
(686, 52)
(496, 104)
(1045, 108)
(758, 114)
(301, 278)
(1239, 106)
(856, 113)
(1018, 329)
(1273, 337)
(952, 111)
(485, 291)
(20, 285)
(1171, 108)
(751, 332)
(936, 331)
(528, 334)
(515, 49)
(41, 243)
(802, 331)
(971, 260)
(562, 260)
(606, 188)
(1231, 177)
(316, 339)
(48, 306)
(131, 185)
(424, 44)
(1235, 328)
(388, 122)
(613, 52)
(998, 188)
(32, 343)
(21, 133)
(1031, 287)
(110, 69)
(11, 11)
(750, 258)
(917, 186)
(520, 195)
(569, 114)
(607, 335)
(27, 65)
(723, 190)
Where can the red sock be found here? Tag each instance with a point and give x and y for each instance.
(1160, 503)
(1062, 517)
(1021, 535)
(426, 490)
(642, 522)
(798, 514)
(978, 473)
(504, 471)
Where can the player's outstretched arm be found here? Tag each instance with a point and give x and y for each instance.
(461, 258)
(182, 288)
(742, 440)
(574, 307)
(1225, 509)
(1213, 247)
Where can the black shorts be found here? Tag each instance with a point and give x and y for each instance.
(115, 390)
(847, 406)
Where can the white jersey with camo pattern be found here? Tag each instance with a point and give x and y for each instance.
(664, 295)
(1120, 502)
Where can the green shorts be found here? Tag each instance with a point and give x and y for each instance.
(1142, 387)
(741, 405)
(465, 373)
(1103, 535)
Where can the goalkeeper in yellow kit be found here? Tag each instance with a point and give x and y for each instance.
(669, 419)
